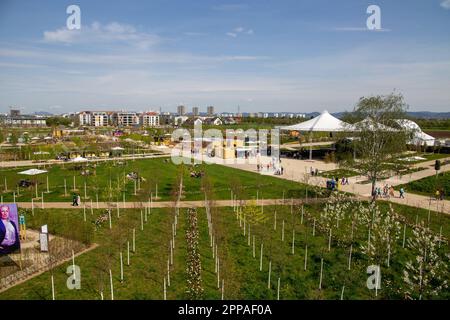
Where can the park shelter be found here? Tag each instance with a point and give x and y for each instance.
(324, 122)
(418, 136)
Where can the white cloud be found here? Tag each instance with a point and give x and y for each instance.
(98, 33)
(445, 4)
(239, 30)
(359, 29)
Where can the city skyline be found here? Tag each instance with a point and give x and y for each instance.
(291, 56)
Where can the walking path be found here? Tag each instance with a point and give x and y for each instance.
(299, 170)
(34, 163)
(168, 204)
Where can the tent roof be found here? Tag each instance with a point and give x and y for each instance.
(79, 159)
(323, 122)
(32, 172)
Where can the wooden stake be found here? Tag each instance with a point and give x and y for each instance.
(342, 293)
(53, 284)
(314, 228)
(329, 241)
(121, 267)
(350, 257)
(223, 287)
(275, 222)
(168, 272)
(111, 284)
(128, 253)
(142, 221)
(65, 188)
(270, 270)
(261, 258)
(282, 231)
(254, 255)
(110, 222)
(165, 293)
(134, 240)
(278, 289)
(321, 272)
(293, 240)
(306, 256)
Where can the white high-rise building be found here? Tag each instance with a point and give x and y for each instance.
(85, 118)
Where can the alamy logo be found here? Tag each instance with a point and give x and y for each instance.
(374, 20)
(374, 279)
(74, 279)
(74, 20)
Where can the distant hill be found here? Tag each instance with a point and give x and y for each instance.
(412, 114)
(42, 113)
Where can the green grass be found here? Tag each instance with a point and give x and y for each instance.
(339, 173)
(428, 186)
(238, 267)
(156, 172)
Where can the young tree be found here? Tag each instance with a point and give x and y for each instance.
(425, 275)
(377, 134)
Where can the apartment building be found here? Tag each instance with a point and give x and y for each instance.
(85, 118)
(100, 119)
(127, 119)
(150, 119)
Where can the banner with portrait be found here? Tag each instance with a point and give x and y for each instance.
(9, 229)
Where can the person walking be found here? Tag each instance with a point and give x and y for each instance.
(74, 200)
(402, 193)
(78, 200)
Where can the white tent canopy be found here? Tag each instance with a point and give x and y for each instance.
(32, 172)
(79, 159)
(323, 122)
(420, 137)
(371, 125)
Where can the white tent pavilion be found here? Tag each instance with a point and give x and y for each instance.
(372, 126)
(420, 137)
(32, 172)
(79, 159)
(324, 122)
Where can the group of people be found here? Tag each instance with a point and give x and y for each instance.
(387, 192)
(336, 183)
(271, 166)
(76, 200)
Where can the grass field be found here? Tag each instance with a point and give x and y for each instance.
(428, 186)
(143, 279)
(110, 178)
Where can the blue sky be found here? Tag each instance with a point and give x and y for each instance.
(285, 55)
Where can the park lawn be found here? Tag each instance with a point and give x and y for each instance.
(238, 268)
(428, 186)
(110, 184)
(340, 173)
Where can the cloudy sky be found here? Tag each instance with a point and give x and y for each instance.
(284, 55)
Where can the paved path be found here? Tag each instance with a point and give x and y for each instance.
(298, 170)
(167, 204)
(33, 163)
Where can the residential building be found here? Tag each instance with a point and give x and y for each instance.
(195, 112)
(85, 118)
(100, 118)
(150, 119)
(127, 119)
(210, 110)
